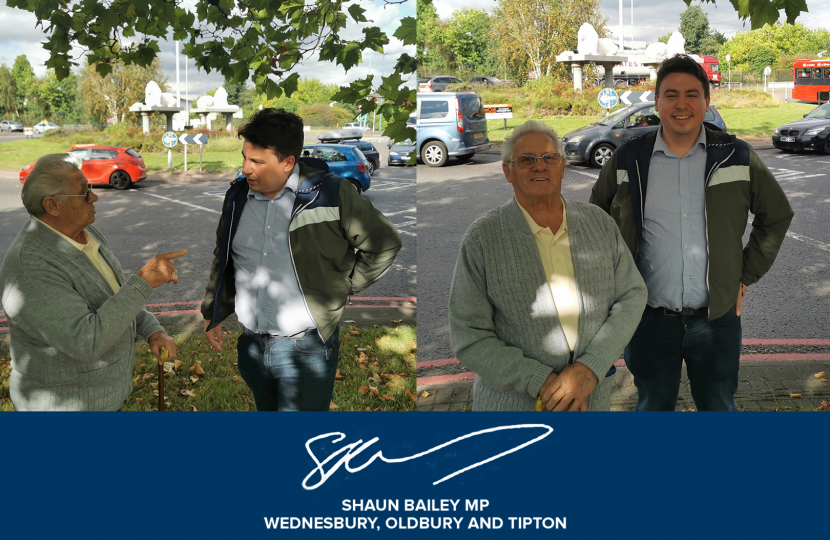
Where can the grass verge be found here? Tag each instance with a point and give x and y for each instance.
(376, 372)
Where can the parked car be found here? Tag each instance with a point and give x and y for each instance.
(488, 81)
(367, 149)
(811, 133)
(343, 160)
(102, 165)
(450, 124)
(43, 127)
(337, 135)
(596, 143)
(356, 125)
(11, 125)
(437, 84)
(399, 152)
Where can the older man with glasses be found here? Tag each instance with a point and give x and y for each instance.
(545, 294)
(72, 314)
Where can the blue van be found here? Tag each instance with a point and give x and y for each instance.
(450, 124)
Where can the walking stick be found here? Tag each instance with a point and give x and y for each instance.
(161, 378)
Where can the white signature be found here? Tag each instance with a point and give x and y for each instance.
(351, 450)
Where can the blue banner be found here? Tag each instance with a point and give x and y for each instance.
(465, 475)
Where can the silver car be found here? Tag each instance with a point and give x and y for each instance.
(436, 84)
(11, 125)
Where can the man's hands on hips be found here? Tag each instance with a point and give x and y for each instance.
(741, 294)
(569, 390)
(159, 340)
(214, 337)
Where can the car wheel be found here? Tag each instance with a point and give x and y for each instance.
(372, 168)
(827, 145)
(120, 180)
(619, 83)
(465, 158)
(434, 154)
(601, 154)
(357, 185)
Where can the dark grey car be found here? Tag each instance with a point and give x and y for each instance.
(437, 84)
(812, 133)
(596, 143)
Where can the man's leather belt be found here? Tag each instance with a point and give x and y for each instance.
(686, 312)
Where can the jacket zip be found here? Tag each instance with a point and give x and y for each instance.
(715, 167)
(642, 206)
(294, 266)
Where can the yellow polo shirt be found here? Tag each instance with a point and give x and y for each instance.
(555, 252)
(90, 249)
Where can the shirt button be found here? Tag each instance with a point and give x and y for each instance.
(265, 254)
(684, 215)
(686, 245)
(684, 185)
(270, 226)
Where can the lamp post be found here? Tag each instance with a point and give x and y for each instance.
(729, 63)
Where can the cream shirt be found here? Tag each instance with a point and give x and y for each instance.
(555, 252)
(90, 249)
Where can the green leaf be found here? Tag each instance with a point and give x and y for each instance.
(103, 69)
(407, 31)
(349, 56)
(375, 39)
(357, 13)
(289, 85)
(794, 8)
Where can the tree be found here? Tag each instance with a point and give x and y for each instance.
(534, 32)
(468, 35)
(8, 91)
(112, 96)
(24, 77)
(784, 41)
(761, 12)
(711, 44)
(694, 25)
(242, 39)
(759, 57)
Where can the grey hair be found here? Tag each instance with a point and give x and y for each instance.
(48, 178)
(531, 126)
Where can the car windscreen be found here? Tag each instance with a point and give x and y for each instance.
(131, 152)
(821, 113)
(471, 107)
(367, 147)
(715, 68)
(710, 116)
(360, 156)
(614, 118)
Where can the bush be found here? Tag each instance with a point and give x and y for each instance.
(124, 135)
(320, 114)
(742, 99)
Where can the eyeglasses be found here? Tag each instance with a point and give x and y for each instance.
(528, 161)
(85, 195)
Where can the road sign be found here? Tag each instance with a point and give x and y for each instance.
(169, 139)
(608, 98)
(189, 138)
(499, 111)
(630, 98)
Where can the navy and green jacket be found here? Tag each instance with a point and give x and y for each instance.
(737, 182)
(340, 245)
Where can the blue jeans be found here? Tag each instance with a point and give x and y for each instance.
(289, 374)
(711, 349)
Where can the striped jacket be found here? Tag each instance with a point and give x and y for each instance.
(340, 245)
(737, 182)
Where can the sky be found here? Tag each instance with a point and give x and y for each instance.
(20, 35)
(656, 18)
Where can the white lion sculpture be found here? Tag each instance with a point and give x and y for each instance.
(675, 45)
(220, 98)
(606, 47)
(154, 97)
(587, 39)
(655, 50)
(204, 102)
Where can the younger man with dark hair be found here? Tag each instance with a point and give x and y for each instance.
(681, 197)
(292, 244)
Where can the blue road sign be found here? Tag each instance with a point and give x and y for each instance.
(169, 139)
(608, 98)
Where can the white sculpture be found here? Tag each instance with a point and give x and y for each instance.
(220, 98)
(606, 47)
(675, 45)
(168, 100)
(152, 94)
(655, 50)
(204, 102)
(587, 39)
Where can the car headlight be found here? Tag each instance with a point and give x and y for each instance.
(777, 130)
(393, 153)
(26, 168)
(575, 139)
(814, 131)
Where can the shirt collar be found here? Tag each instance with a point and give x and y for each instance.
(535, 228)
(660, 144)
(90, 242)
(292, 184)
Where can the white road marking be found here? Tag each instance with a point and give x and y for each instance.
(586, 174)
(806, 239)
(184, 203)
(401, 212)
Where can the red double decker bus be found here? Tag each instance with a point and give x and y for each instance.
(809, 78)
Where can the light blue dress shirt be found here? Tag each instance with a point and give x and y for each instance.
(673, 256)
(268, 296)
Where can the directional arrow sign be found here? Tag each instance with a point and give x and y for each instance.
(187, 138)
(630, 98)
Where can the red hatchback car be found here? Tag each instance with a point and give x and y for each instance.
(118, 167)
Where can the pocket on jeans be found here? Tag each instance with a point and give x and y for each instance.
(309, 344)
(728, 318)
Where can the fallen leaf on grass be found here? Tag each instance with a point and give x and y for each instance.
(368, 409)
(333, 406)
(194, 379)
(411, 395)
(396, 321)
(819, 375)
(193, 408)
(154, 384)
(392, 376)
(148, 376)
(354, 333)
(235, 378)
(825, 405)
(168, 404)
(374, 391)
(188, 393)
(169, 367)
(795, 396)
(142, 366)
(141, 400)
(363, 390)
(177, 364)
(425, 394)
(388, 396)
(375, 378)
(197, 368)
(338, 376)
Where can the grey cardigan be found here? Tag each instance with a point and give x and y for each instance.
(72, 339)
(503, 321)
